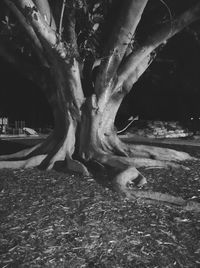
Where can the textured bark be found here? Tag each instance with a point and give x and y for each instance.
(155, 197)
(45, 10)
(37, 21)
(118, 42)
(156, 38)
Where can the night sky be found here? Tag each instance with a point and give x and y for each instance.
(169, 90)
(20, 99)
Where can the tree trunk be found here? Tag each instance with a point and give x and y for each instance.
(84, 130)
(84, 127)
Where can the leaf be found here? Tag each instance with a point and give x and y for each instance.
(95, 7)
(181, 220)
(95, 26)
(197, 251)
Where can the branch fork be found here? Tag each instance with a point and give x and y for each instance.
(84, 126)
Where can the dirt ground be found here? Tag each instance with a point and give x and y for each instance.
(49, 219)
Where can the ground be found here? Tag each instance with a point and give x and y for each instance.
(49, 219)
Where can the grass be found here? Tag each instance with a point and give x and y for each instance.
(50, 219)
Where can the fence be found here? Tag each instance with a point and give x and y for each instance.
(3, 125)
(15, 129)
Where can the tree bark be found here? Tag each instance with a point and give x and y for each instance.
(155, 39)
(118, 42)
(45, 10)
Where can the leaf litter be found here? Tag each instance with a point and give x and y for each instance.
(48, 219)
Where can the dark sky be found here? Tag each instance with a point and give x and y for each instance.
(169, 90)
(22, 100)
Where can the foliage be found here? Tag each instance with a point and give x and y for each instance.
(93, 18)
(90, 21)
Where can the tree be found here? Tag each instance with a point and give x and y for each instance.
(62, 36)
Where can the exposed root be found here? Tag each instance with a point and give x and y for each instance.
(20, 154)
(75, 166)
(28, 163)
(124, 162)
(39, 149)
(130, 176)
(34, 161)
(52, 153)
(149, 196)
(148, 152)
(30, 157)
(125, 181)
(57, 153)
(46, 146)
(157, 153)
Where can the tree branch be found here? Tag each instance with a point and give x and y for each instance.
(28, 28)
(138, 71)
(61, 18)
(70, 24)
(45, 10)
(155, 39)
(119, 39)
(36, 20)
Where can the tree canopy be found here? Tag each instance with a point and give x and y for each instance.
(94, 20)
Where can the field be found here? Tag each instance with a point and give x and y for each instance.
(50, 219)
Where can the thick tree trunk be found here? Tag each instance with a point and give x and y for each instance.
(84, 128)
(84, 132)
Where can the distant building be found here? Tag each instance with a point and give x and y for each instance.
(3, 125)
(7, 128)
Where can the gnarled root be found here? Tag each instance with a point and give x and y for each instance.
(61, 150)
(22, 159)
(57, 153)
(127, 172)
(154, 152)
(30, 157)
(124, 162)
(129, 176)
(129, 179)
(28, 163)
(39, 149)
(20, 154)
(148, 152)
(52, 153)
(123, 186)
(72, 165)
